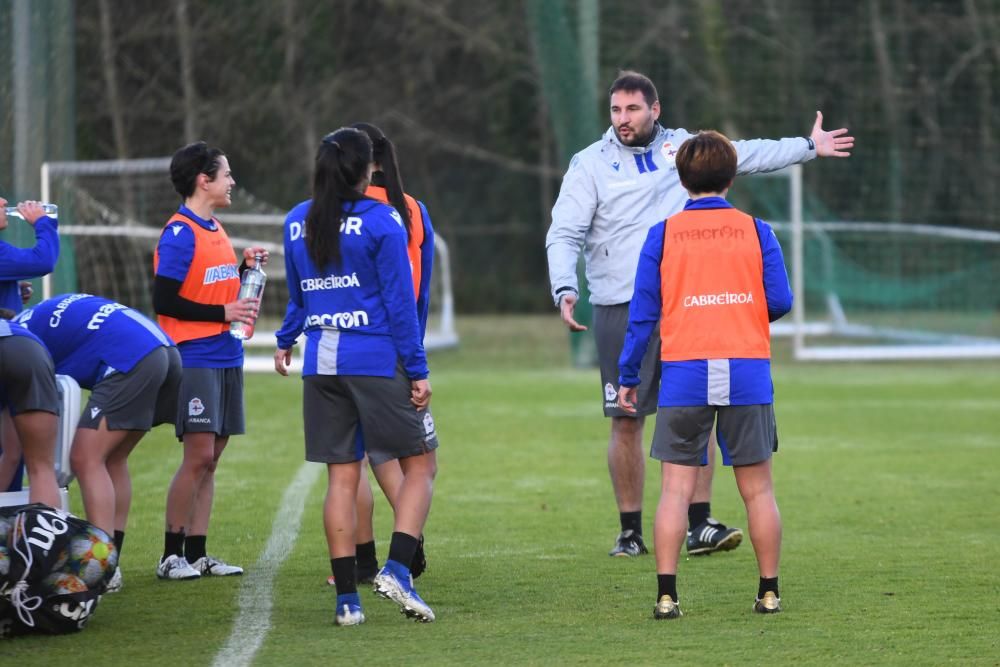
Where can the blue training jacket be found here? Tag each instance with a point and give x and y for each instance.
(25, 263)
(90, 337)
(359, 314)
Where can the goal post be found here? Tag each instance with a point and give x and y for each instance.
(111, 213)
(896, 291)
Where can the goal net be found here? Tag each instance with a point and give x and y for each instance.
(111, 213)
(895, 291)
(879, 290)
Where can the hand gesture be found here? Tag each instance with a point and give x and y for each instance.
(627, 397)
(566, 306)
(832, 143)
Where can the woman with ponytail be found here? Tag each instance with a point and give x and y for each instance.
(365, 387)
(387, 187)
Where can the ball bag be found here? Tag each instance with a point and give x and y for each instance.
(54, 567)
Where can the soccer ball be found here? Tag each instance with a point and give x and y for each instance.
(91, 557)
(63, 583)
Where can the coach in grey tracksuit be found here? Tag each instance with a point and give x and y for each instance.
(612, 193)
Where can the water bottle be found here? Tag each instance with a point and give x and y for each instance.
(51, 210)
(251, 287)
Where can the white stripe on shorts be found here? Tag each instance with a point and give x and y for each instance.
(718, 381)
(326, 352)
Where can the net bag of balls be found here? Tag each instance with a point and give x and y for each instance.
(54, 567)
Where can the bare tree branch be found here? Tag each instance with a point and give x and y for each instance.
(440, 142)
(470, 38)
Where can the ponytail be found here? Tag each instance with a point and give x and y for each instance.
(384, 154)
(341, 165)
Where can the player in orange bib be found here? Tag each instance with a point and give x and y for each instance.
(195, 297)
(714, 278)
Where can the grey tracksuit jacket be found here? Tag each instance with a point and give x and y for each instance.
(612, 194)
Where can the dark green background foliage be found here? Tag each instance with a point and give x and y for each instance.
(474, 96)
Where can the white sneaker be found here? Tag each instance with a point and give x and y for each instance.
(176, 567)
(349, 614)
(213, 567)
(401, 591)
(116, 583)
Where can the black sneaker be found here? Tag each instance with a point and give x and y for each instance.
(629, 543)
(419, 563)
(710, 536)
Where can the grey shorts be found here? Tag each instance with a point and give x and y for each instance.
(27, 376)
(610, 325)
(210, 400)
(144, 397)
(345, 416)
(747, 434)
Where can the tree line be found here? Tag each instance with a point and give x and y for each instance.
(465, 91)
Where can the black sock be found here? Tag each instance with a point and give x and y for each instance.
(194, 547)
(119, 541)
(366, 555)
(667, 584)
(631, 521)
(402, 547)
(698, 514)
(767, 585)
(173, 544)
(343, 572)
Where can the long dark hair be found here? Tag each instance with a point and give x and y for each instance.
(384, 152)
(341, 162)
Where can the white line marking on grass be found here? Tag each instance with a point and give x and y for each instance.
(254, 620)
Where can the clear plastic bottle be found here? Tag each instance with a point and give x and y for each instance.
(50, 210)
(251, 287)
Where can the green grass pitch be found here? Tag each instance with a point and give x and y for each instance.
(886, 478)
